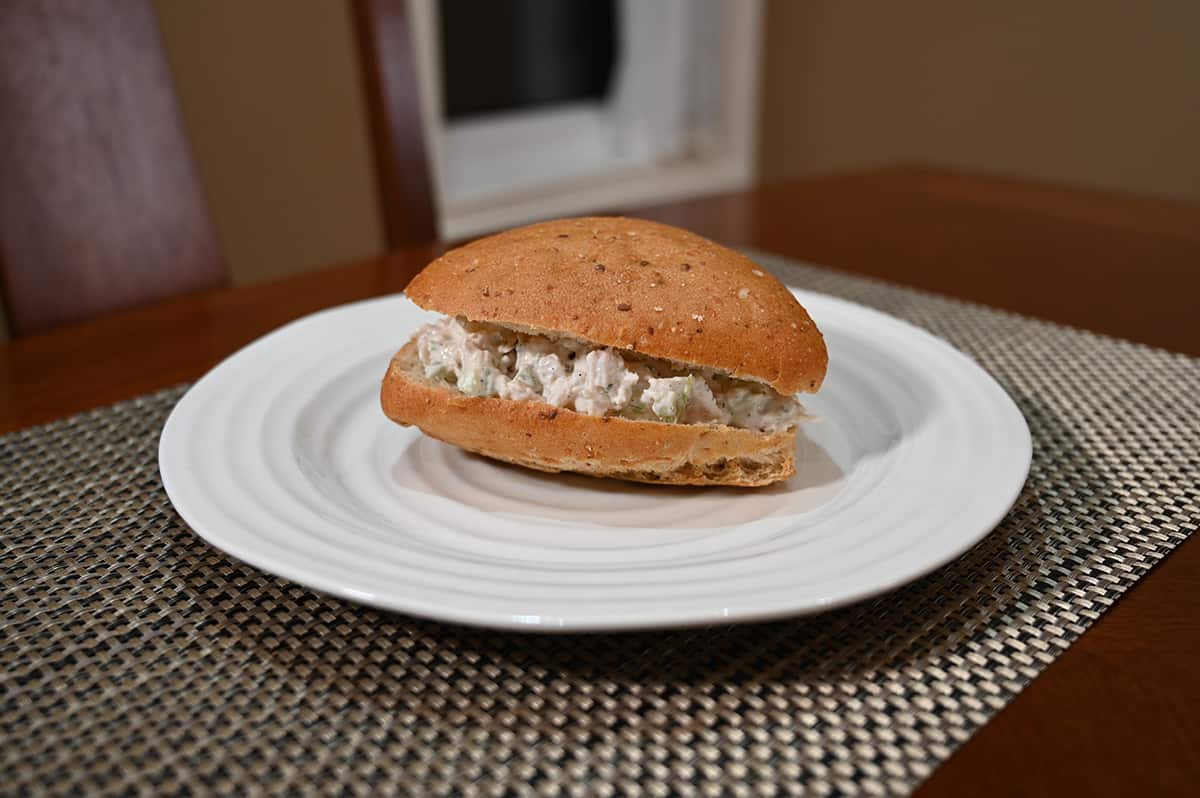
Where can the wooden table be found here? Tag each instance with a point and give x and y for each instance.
(1115, 715)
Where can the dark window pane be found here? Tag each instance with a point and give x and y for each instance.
(504, 54)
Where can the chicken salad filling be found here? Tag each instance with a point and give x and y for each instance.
(490, 360)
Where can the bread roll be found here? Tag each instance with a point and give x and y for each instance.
(648, 291)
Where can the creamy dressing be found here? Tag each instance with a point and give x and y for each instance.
(487, 360)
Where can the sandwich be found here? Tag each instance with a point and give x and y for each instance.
(611, 347)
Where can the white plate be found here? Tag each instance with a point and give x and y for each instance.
(281, 457)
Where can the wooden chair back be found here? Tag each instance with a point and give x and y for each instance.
(393, 102)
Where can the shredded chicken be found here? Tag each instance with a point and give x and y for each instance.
(489, 360)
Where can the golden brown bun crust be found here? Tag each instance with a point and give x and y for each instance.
(633, 284)
(540, 436)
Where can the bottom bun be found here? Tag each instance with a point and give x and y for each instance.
(547, 438)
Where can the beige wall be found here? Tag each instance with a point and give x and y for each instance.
(1102, 93)
(271, 93)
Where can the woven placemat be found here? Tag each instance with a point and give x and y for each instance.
(137, 658)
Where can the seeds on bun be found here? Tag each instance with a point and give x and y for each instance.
(612, 347)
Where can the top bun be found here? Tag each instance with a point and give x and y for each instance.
(634, 285)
